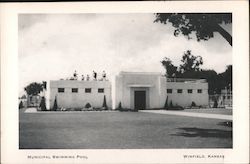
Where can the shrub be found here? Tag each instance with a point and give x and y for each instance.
(21, 105)
(88, 105)
(55, 107)
(166, 103)
(104, 104)
(193, 104)
(215, 104)
(120, 105)
(43, 104)
(171, 104)
(177, 107)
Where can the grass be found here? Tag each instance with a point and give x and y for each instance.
(120, 130)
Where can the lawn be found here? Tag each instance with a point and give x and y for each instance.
(120, 130)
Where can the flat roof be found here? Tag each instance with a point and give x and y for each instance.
(139, 73)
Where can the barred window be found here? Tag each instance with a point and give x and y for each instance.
(179, 90)
(190, 91)
(199, 90)
(87, 90)
(100, 90)
(169, 90)
(60, 89)
(74, 90)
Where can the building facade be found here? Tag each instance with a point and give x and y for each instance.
(184, 92)
(132, 90)
(137, 90)
(152, 90)
(76, 94)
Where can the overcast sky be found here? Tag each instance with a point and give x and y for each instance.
(52, 46)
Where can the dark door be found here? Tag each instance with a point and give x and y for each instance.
(140, 100)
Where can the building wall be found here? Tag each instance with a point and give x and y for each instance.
(153, 83)
(67, 99)
(185, 99)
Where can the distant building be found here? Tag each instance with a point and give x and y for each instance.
(150, 90)
(76, 94)
(225, 98)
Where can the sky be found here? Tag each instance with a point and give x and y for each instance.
(53, 46)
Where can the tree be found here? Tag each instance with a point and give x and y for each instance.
(34, 88)
(43, 104)
(21, 105)
(104, 104)
(166, 103)
(190, 62)
(171, 70)
(202, 24)
(55, 107)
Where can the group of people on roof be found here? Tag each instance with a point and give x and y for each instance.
(103, 78)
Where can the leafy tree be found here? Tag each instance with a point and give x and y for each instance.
(190, 62)
(202, 24)
(226, 77)
(34, 88)
(171, 70)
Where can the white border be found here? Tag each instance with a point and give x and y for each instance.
(9, 83)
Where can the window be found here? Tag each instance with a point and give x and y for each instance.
(199, 90)
(169, 91)
(100, 90)
(228, 97)
(190, 91)
(87, 90)
(179, 90)
(60, 89)
(74, 90)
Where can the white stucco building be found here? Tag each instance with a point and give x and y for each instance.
(134, 90)
(185, 91)
(140, 90)
(150, 90)
(76, 94)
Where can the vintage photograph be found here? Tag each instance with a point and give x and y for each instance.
(125, 81)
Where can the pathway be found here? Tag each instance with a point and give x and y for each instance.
(190, 114)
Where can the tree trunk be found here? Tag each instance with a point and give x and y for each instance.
(224, 34)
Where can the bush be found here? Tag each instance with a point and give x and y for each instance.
(166, 103)
(104, 104)
(120, 105)
(21, 105)
(171, 104)
(193, 104)
(88, 105)
(215, 104)
(177, 107)
(43, 104)
(55, 107)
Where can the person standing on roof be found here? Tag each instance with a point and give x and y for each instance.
(94, 75)
(103, 75)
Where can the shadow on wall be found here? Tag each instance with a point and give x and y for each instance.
(204, 133)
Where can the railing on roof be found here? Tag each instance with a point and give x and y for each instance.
(183, 80)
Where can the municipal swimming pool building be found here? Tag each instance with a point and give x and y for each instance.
(133, 90)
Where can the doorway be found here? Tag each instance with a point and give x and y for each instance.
(140, 100)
